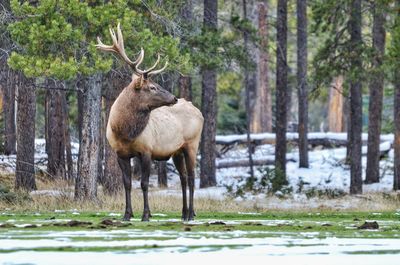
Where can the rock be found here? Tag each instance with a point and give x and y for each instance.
(6, 225)
(369, 225)
(217, 223)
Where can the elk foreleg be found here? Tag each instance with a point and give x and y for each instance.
(144, 183)
(180, 166)
(125, 165)
(190, 159)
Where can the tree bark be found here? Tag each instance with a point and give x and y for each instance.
(67, 142)
(209, 106)
(185, 81)
(376, 95)
(396, 83)
(396, 143)
(207, 144)
(112, 172)
(335, 112)
(162, 165)
(250, 13)
(102, 137)
(8, 79)
(88, 164)
(264, 89)
(281, 90)
(25, 168)
(55, 142)
(162, 174)
(185, 87)
(302, 81)
(9, 89)
(355, 100)
(250, 84)
(112, 180)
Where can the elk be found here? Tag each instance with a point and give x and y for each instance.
(148, 122)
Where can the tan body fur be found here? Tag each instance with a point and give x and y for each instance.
(169, 129)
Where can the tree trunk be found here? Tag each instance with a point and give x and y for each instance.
(250, 84)
(162, 174)
(250, 13)
(112, 176)
(102, 137)
(185, 81)
(88, 164)
(9, 88)
(302, 81)
(67, 142)
(376, 96)
(281, 90)
(55, 129)
(162, 165)
(207, 144)
(112, 172)
(185, 87)
(80, 100)
(335, 112)
(396, 83)
(8, 79)
(356, 100)
(25, 168)
(396, 143)
(209, 106)
(263, 84)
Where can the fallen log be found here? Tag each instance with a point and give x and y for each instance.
(245, 162)
(314, 139)
(384, 149)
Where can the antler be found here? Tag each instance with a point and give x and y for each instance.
(118, 47)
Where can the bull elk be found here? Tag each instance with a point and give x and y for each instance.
(148, 122)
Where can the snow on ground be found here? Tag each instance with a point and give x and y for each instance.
(235, 247)
(327, 170)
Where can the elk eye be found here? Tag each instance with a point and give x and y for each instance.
(152, 88)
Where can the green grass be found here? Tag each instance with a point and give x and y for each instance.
(339, 224)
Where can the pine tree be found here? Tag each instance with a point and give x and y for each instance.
(209, 105)
(376, 94)
(302, 81)
(281, 91)
(395, 67)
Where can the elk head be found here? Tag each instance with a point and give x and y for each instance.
(148, 94)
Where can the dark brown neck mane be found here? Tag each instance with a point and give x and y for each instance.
(130, 119)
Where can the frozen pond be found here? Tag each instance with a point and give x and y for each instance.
(134, 246)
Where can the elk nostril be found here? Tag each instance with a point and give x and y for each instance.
(176, 99)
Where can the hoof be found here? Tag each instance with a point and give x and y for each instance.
(127, 217)
(191, 215)
(146, 217)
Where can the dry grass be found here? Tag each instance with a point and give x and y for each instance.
(58, 195)
(158, 203)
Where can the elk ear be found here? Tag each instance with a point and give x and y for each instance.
(137, 81)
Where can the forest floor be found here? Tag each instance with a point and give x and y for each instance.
(325, 237)
(314, 221)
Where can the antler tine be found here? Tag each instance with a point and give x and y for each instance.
(139, 60)
(118, 47)
(159, 70)
(100, 45)
(149, 69)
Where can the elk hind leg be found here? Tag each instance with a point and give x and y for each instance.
(180, 166)
(190, 159)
